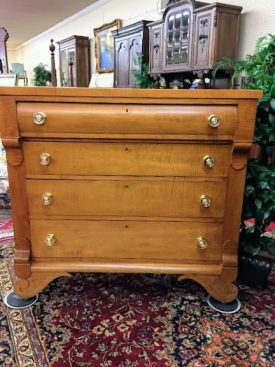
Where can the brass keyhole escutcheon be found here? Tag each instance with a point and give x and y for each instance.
(205, 201)
(49, 239)
(209, 161)
(213, 121)
(39, 118)
(202, 243)
(47, 198)
(45, 159)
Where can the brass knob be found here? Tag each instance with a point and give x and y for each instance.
(213, 121)
(49, 239)
(205, 201)
(47, 198)
(209, 161)
(39, 118)
(45, 159)
(202, 243)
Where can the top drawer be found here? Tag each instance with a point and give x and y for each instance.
(76, 119)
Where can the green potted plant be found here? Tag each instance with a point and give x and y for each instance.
(42, 76)
(257, 71)
(142, 77)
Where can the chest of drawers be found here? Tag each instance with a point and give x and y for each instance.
(128, 181)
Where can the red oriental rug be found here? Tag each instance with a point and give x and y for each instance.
(118, 320)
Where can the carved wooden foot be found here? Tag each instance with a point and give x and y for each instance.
(220, 287)
(27, 288)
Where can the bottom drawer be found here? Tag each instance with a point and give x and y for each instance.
(125, 239)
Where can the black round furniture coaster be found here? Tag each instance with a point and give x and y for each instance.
(230, 307)
(11, 300)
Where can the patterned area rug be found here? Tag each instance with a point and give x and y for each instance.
(117, 320)
(6, 230)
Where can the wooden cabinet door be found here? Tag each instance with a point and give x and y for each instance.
(121, 62)
(215, 35)
(156, 49)
(204, 42)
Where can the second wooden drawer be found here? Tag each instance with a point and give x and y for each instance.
(133, 159)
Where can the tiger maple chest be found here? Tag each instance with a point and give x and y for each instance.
(106, 180)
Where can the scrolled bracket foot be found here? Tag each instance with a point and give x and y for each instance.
(222, 287)
(27, 288)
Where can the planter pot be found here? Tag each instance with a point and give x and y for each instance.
(255, 151)
(254, 270)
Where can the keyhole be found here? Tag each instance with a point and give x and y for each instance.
(126, 109)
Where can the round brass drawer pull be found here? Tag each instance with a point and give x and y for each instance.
(39, 118)
(47, 198)
(45, 159)
(205, 201)
(50, 239)
(209, 161)
(213, 121)
(202, 243)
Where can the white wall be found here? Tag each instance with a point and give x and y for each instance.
(258, 19)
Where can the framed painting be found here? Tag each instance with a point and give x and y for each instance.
(104, 46)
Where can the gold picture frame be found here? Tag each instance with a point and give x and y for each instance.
(104, 46)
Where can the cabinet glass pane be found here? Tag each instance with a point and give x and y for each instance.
(178, 21)
(170, 38)
(184, 55)
(176, 55)
(67, 56)
(171, 22)
(63, 69)
(170, 57)
(185, 26)
(185, 18)
(176, 38)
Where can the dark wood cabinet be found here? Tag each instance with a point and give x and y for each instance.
(129, 41)
(193, 36)
(74, 62)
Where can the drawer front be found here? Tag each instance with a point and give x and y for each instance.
(120, 239)
(125, 159)
(145, 198)
(126, 119)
